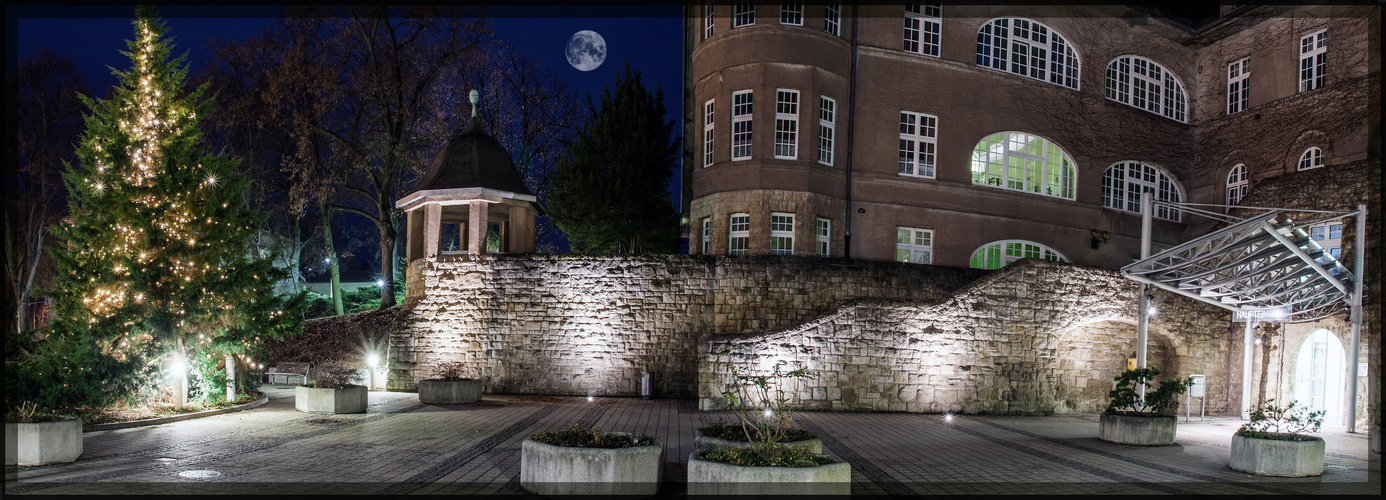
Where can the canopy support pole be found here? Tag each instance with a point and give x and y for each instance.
(1359, 259)
(1248, 345)
(1143, 302)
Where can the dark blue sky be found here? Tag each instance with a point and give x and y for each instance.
(647, 36)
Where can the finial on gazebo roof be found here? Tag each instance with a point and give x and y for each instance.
(474, 97)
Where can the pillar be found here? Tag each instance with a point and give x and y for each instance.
(477, 214)
(518, 233)
(433, 228)
(414, 236)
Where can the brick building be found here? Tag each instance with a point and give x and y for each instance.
(973, 135)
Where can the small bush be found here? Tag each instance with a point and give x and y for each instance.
(1126, 395)
(772, 456)
(28, 412)
(579, 436)
(450, 370)
(1285, 423)
(335, 376)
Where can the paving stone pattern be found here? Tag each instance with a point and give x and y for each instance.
(402, 447)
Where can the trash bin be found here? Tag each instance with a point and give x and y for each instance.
(646, 385)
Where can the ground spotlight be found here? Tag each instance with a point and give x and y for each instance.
(948, 418)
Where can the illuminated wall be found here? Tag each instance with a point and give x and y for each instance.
(1035, 337)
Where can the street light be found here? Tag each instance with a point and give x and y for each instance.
(372, 360)
(178, 367)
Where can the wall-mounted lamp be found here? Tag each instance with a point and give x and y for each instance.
(1098, 238)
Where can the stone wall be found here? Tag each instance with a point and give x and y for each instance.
(567, 324)
(1034, 337)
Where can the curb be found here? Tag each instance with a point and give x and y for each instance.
(176, 418)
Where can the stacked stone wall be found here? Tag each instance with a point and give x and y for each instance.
(564, 324)
(1034, 338)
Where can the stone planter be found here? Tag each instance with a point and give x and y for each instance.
(449, 392)
(330, 400)
(713, 478)
(1156, 430)
(561, 470)
(704, 442)
(39, 443)
(1278, 457)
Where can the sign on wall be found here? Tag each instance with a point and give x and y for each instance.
(1273, 315)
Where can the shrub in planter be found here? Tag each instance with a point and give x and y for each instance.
(334, 389)
(1274, 442)
(449, 386)
(1129, 420)
(38, 438)
(756, 456)
(583, 461)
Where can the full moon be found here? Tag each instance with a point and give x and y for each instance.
(586, 50)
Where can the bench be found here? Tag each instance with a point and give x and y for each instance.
(284, 372)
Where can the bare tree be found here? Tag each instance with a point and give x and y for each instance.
(45, 111)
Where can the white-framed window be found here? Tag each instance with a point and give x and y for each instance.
(1311, 158)
(918, 137)
(823, 232)
(1145, 84)
(1313, 54)
(1238, 76)
(707, 236)
(999, 254)
(1024, 162)
(741, 125)
(781, 233)
(1125, 182)
(1027, 48)
(792, 13)
(708, 116)
(743, 14)
(1236, 184)
(914, 245)
(786, 124)
(707, 20)
(827, 129)
(832, 18)
(922, 22)
(739, 234)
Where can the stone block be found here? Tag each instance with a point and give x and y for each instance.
(330, 400)
(40, 443)
(717, 479)
(1157, 430)
(559, 470)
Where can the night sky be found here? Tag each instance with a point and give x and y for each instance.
(649, 37)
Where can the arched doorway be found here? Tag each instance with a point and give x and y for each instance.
(1319, 375)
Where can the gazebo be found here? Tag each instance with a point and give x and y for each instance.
(473, 183)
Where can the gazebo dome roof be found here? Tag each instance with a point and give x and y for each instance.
(472, 159)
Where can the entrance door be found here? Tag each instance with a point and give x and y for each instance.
(1319, 376)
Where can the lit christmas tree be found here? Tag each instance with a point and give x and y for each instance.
(154, 262)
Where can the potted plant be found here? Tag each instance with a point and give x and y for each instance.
(582, 461)
(448, 386)
(759, 461)
(37, 438)
(334, 389)
(1129, 419)
(1273, 442)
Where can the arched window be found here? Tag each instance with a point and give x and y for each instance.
(1027, 48)
(1311, 158)
(1023, 162)
(1140, 82)
(1124, 183)
(998, 254)
(1236, 184)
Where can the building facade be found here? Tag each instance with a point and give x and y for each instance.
(973, 136)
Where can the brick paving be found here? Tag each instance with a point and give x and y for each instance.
(400, 446)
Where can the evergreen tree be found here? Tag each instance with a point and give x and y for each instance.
(153, 262)
(609, 193)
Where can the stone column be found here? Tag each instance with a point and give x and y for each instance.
(477, 225)
(414, 236)
(517, 230)
(433, 228)
(529, 230)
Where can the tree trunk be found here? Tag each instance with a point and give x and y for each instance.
(295, 269)
(332, 259)
(387, 264)
(1266, 338)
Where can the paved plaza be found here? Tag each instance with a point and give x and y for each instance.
(400, 446)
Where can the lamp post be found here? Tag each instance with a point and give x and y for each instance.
(179, 367)
(372, 360)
